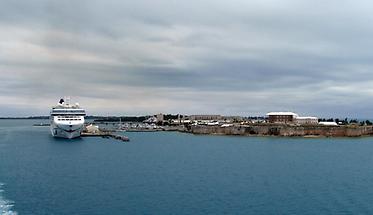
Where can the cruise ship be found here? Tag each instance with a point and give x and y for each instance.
(67, 120)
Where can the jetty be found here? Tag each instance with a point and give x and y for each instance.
(106, 135)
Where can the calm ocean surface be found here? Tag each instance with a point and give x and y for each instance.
(175, 173)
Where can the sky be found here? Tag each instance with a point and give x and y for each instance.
(238, 57)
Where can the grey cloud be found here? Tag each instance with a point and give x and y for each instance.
(237, 57)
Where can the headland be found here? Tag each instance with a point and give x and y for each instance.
(284, 130)
(280, 124)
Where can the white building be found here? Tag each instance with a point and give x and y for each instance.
(151, 120)
(291, 118)
(205, 117)
(307, 120)
(281, 117)
(160, 117)
(92, 129)
(328, 123)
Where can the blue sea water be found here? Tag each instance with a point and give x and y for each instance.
(177, 173)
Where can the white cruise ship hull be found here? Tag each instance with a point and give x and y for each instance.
(66, 130)
(67, 121)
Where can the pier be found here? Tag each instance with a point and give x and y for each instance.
(106, 135)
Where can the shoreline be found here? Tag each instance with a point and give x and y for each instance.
(262, 130)
(276, 130)
(269, 130)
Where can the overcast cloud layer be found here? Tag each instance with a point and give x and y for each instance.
(234, 57)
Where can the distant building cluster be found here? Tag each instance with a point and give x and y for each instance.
(205, 117)
(195, 119)
(226, 121)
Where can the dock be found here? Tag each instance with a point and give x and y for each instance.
(106, 135)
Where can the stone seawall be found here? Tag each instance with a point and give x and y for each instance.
(285, 130)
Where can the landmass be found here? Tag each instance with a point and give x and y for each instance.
(286, 124)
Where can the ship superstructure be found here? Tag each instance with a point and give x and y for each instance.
(67, 120)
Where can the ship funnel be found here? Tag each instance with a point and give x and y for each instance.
(67, 100)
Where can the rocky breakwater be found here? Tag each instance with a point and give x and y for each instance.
(284, 130)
